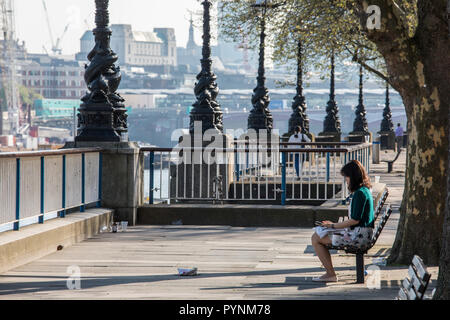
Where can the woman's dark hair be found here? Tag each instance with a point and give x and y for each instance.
(357, 174)
(297, 130)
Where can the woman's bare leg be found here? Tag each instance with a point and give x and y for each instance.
(323, 253)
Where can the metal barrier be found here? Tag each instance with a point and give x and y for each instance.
(38, 186)
(281, 174)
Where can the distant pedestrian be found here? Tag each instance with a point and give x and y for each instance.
(399, 137)
(298, 137)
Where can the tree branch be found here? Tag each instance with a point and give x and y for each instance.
(366, 66)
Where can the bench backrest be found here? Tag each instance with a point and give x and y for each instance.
(414, 287)
(380, 226)
(380, 204)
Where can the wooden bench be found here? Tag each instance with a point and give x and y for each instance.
(360, 252)
(391, 162)
(415, 286)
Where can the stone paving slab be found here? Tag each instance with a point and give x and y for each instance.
(233, 263)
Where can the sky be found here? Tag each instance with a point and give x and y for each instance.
(143, 15)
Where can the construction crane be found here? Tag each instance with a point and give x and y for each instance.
(8, 65)
(56, 46)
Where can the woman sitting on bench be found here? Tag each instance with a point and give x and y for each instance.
(357, 230)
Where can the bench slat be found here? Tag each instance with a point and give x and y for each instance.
(412, 294)
(380, 204)
(417, 283)
(406, 284)
(402, 294)
(420, 267)
(381, 225)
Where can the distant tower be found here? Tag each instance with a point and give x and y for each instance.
(191, 45)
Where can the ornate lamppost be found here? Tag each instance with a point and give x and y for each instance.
(260, 117)
(332, 124)
(102, 115)
(386, 124)
(206, 109)
(360, 125)
(387, 134)
(299, 117)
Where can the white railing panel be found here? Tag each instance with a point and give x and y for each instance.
(30, 187)
(53, 183)
(252, 178)
(7, 190)
(92, 178)
(73, 180)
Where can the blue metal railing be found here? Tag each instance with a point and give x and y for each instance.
(19, 209)
(319, 170)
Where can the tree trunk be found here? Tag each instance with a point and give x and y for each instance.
(418, 70)
(443, 283)
(422, 211)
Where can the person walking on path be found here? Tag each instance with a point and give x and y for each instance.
(357, 231)
(399, 137)
(298, 137)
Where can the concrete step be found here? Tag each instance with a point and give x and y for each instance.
(36, 241)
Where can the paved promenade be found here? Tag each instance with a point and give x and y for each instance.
(233, 263)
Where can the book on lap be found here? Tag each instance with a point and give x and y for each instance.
(322, 231)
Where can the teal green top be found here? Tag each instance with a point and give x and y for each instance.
(362, 207)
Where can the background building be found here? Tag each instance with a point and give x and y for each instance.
(136, 48)
(53, 77)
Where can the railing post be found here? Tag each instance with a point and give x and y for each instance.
(246, 160)
(236, 164)
(328, 167)
(62, 214)
(152, 182)
(17, 222)
(364, 153)
(41, 217)
(283, 178)
(83, 183)
(100, 171)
